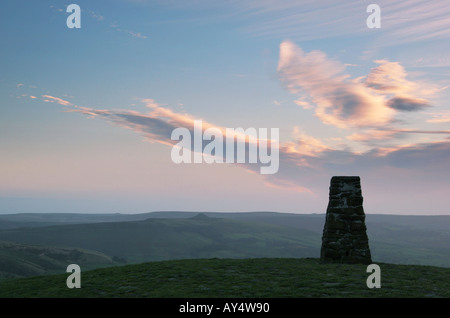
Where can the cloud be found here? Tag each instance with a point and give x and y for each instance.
(389, 77)
(386, 140)
(52, 99)
(153, 126)
(442, 117)
(338, 101)
(417, 21)
(440, 60)
(407, 104)
(305, 144)
(426, 161)
(159, 124)
(305, 163)
(373, 134)
(431, 157)
(137, 35)
(343, 102)
(413, 131)
(304, 104)
(101, 18)
(402, 22)
(96, 16)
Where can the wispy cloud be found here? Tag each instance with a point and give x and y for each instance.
(414, 21)
(101, 18)
(303, 160)
(305, 144)
(52, 99)
(96, 16)
(302, 20)
(438, 60)
(371, 136)
(159, 122)
(402, 21)
(138, 35)
(440, 117)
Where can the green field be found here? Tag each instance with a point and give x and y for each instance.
(233, 278)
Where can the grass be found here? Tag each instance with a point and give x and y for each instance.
(238, 278)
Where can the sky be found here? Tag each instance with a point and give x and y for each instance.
(86, 114)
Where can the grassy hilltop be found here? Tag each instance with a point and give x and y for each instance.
(238, 278)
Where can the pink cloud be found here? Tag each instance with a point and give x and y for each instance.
(372, 134)
(442, 117)
(344, 102)
(389, 77)
(52, 99)
(306, 163)
(338, 101)
(305, 144)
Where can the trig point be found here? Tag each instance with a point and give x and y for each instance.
(344, 237)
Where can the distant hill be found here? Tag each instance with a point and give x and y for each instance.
(155, 236)
(163, 239)
(21, 260)
(11, 221)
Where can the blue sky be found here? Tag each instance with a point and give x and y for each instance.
(82, 110)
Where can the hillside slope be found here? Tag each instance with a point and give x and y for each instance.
(245, 278)
(164, 239)
(420, 240)
(21, 260)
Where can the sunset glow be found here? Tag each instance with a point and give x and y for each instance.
(86, 114)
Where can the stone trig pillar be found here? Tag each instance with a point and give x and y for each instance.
(344, 237)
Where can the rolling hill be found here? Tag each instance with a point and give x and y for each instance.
(21, 260)
(156, 236)
(163, 239)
